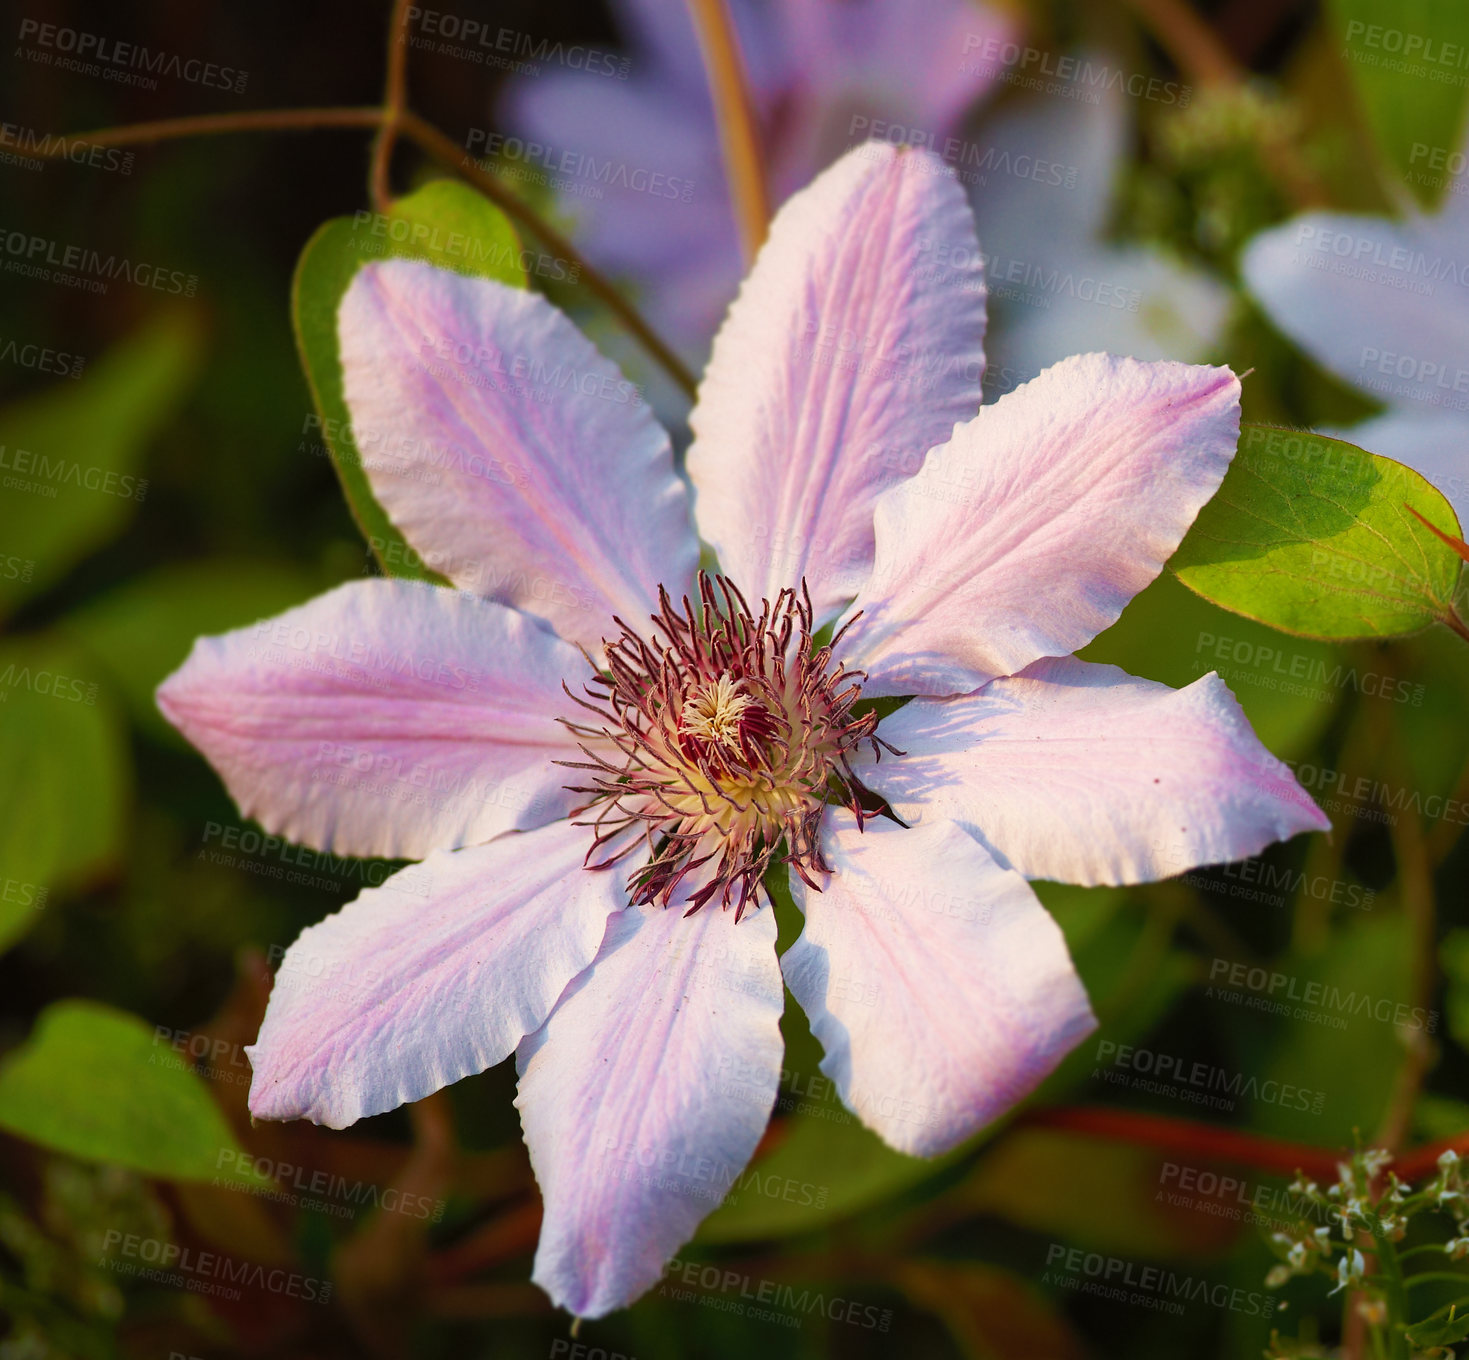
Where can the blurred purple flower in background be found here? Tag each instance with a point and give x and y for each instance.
(824, 75)
(1384, 305)
(1057, 285)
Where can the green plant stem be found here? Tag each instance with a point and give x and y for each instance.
(1436, 1277)
(1424, 1250)
(1395, 1291)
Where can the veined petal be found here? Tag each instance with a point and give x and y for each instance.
(384, 718)
(515, 458)
(1083, 773)
(434, 976)
(645, 1094)
(1027, 534)
(937, 983)
(854, 346)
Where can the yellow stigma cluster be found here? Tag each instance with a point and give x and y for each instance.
(712, 712)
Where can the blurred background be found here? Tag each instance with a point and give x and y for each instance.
(1122, 158)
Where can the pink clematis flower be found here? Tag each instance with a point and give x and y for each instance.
(707, 738)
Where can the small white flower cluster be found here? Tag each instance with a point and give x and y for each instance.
(1368, 1198)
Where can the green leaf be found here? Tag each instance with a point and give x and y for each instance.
(71, 458)
(1405, 58)
(143, 630)
(65, 759)
(444, 223)
(1444, 1331)
(1314, 536)
(92, 1083)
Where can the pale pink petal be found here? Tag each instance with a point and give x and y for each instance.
(1027, 534)
(854, 346)
(384, 718)
(434, 976)
(937, 983)
(644, 1095)
(1085, 774)
(515, 458)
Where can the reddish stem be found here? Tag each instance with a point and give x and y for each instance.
(1183, 1137)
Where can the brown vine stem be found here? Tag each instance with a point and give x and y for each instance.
(212, 124)
(734, 111)
(436, 144)
(395, 97)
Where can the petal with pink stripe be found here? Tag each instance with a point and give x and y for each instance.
(384, 718)
(645, 1094)
(1085, 774)
(434, 976)
(938, 985)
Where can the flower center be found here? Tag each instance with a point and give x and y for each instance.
(714, 712)
(719, 743)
